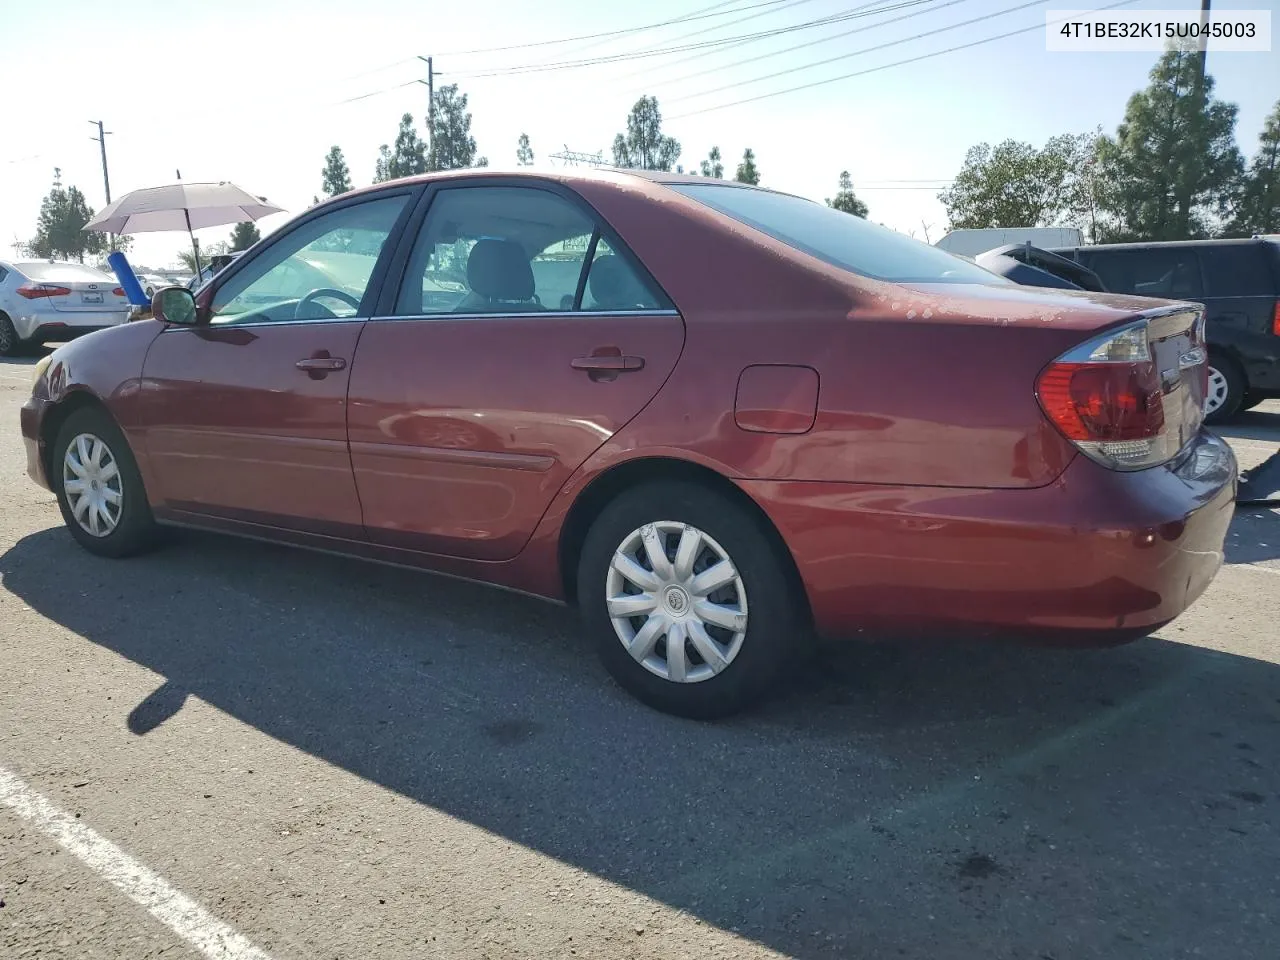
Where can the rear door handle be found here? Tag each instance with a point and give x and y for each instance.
(608, 363)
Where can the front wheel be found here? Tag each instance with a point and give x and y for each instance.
(689, 600)
(99, 488)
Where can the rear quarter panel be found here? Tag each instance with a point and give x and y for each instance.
(917, 386)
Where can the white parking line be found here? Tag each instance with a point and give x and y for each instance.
(192, 922)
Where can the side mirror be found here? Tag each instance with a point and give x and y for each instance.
(174, 305)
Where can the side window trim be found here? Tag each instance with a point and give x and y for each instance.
(377, 279)
(384, 308)
(585, 271)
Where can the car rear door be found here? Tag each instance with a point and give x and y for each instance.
(246, 412)
(522, 337)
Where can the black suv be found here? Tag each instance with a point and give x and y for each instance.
(1238, 281)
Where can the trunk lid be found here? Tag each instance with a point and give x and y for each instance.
(77, 288)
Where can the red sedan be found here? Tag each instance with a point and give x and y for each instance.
(717, 418)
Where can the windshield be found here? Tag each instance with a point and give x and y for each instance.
(838, 238)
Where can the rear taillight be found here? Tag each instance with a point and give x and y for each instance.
(117, 291)
(38, 291)
(1105, 396)
(1275, 320)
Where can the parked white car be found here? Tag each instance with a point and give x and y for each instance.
(51, 301)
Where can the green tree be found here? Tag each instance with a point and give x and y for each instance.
(747, 172)
(644, 146)
(1015, 185)
(244, 236)
(846, 200)
(188, 257)
(409, 155)
(1173, 166)
(1257, 208)
(452, 146)
(524, 152)
(712, 167)
(335, 178)
(60, 226)
(382, 168)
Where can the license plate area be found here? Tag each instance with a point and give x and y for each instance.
(91, 298)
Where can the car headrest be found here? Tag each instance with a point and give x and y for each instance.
(612, 284)
(499, 270)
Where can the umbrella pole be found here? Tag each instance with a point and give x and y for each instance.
(195, 247)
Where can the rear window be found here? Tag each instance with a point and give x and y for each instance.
(1237, 270)
(1170, 273)
(44, 271)
(838, 238)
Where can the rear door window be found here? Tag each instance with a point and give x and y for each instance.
(1166, 272)
(516, 250)
(1237, 270)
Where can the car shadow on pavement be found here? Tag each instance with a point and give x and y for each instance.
(938, 800)
(1254, 536)
(1263, 425)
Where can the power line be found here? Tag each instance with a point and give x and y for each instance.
(886, 66)
(701, 14)
(377, 93)
(850, 14)
(752, 38)
(810, 43)
(858, 53)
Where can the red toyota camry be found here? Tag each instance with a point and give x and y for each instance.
(719, 419)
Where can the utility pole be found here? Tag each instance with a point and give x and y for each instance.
(1204, 39)
(102, 142)
(431, 104)
(106, 181)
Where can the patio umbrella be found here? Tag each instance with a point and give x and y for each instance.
(181, 206)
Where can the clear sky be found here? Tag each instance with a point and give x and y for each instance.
(251, 90)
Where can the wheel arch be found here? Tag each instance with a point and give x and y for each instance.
(615, 480)
(58, 414)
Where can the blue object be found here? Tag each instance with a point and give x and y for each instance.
(124, 273)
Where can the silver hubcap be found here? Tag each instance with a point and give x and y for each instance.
(676, 601)
(1217, 394)
(91, 482)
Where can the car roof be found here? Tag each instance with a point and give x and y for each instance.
(1174, 244)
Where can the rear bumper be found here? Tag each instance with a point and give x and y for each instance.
(31, 418)
(1095, 557)
(54, 327)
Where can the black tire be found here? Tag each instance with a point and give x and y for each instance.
(776, 635)
(135, 530)
(1235, 387)
(10, 343)
(1250, 401)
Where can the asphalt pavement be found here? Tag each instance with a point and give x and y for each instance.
(233, 750)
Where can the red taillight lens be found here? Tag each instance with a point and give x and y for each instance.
(38, 291)
(1103, 402)
(1275, 320)
(117, 291)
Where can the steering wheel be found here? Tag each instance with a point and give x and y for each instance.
(299, 312)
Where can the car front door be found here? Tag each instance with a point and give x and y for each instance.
(522, 337)
(246, 411)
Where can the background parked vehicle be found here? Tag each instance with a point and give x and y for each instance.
(1238, 281)
(744, 419)
(969, 242)
(47, 300)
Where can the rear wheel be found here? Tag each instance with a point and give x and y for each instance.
(99, 488)
(1226, 389)
(688, 600)
(10, 343)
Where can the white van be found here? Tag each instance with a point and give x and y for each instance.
(970, 243)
